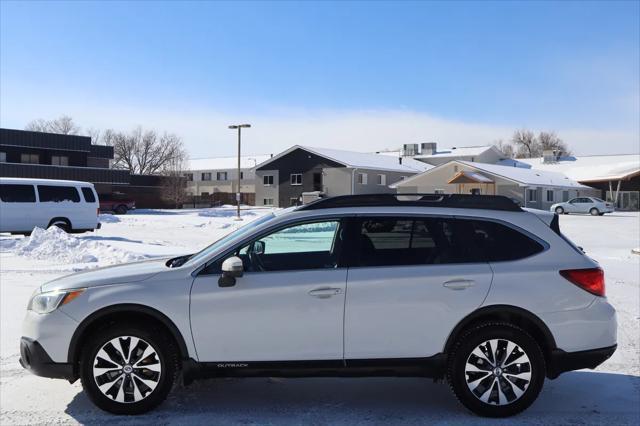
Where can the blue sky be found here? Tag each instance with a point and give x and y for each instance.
(370, 75)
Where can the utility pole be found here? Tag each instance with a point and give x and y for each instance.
(239, 127)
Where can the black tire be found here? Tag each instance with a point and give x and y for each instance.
(594, 211)
(121, 209)
(61, 223)
(166, 359)
(559, 210)
(457, 374)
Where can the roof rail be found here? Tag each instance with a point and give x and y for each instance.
(460, 201)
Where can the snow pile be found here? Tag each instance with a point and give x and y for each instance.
(109, 218)
(56, 245)
(225, 211)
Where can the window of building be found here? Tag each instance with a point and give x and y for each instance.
(439, 191)
(382, 179)
(58, 194)
(296, 179)
(30, 158)
(267, 201)
(3, 157)
(88, 195)
(59, 160)
(267, 180)
(362, 178)
(241, 175)
(403, 177)
(293, 201)
(532, 195)
(206, 176)
(10, 193)
(550, 195)
(189, 177)
(221, 176)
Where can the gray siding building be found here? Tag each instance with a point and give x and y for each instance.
(281, 180)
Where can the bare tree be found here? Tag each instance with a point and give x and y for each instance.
(527, 145)
(63, 125)
(174, 183)
(144, 152)
(551, 141)
(505, 147)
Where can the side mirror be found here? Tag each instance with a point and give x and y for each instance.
(258, 247)
(232, 268)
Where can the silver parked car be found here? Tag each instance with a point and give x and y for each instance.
(470, 289)
(592, 205)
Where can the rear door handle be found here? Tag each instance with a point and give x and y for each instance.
(459, 284)
(325, 292)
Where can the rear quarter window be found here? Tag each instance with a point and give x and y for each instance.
(10, 193)
(58, 194)
(88, 195)
(499, 242)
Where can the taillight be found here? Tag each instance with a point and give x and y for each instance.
(591, 280)
(98, 212)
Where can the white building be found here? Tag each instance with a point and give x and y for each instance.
(218, 175)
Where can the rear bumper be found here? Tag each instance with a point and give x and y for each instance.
(562, 361)
(34, 358)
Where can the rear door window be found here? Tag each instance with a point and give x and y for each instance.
(88, 195)
(10, 193)
(415, 241)
(58, 194)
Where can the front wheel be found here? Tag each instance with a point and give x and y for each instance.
(496, 370)
(128, 370)
(121, 209)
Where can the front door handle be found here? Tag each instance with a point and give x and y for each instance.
(459, 284)
(325, 292)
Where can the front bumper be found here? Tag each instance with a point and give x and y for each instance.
(34, 358)
(562, 361)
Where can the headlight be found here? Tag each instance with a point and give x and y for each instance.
(43, 303)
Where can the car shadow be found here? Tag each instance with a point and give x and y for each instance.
(576, 397)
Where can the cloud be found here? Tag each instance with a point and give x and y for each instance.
(206, 134)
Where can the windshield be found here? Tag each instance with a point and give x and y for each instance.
(240, 232)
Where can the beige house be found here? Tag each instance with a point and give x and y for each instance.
(531, 188)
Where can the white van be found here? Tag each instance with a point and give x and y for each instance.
(26, 203)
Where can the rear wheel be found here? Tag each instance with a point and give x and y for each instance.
(127, 369)
(594, 211)
(496, 370)
(559, 210)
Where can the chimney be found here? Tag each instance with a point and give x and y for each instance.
(410, 149)
(429, 148)
(550, 156)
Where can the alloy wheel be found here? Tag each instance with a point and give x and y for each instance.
(498, 372)
(127, 369)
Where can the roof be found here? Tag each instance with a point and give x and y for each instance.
(361, 160)
(519, 175)
(591, 168)
(223, 163)
(463, 151)
(469, 177)
(38, 181)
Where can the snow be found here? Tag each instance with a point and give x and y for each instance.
(527, 176)
(591, 168)
(463, 151)
(610, 394)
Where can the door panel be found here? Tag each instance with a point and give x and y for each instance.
(270, 316)
(409, 311)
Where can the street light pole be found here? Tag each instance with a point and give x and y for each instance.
(239, 127)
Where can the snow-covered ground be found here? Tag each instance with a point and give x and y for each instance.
(611, 394)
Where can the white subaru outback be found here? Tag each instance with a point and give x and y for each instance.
(471, 289)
